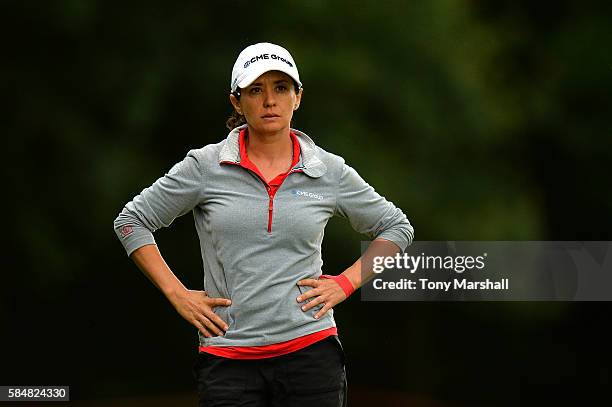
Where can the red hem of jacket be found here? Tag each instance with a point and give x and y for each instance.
(269, 351)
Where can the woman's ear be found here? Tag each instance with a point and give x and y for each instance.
(298, 99)
(235, 102)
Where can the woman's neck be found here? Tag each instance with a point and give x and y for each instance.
(270, 148)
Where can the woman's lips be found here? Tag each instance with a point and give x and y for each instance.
(270, 116)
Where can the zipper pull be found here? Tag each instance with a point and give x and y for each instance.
(270, 208)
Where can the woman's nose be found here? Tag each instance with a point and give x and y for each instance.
(269, 99)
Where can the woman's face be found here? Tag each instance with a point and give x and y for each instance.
(268, 103)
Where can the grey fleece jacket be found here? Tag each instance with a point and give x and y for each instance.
(258, 270)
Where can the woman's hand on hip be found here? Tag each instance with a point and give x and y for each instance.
(324, 291)
(197, 308)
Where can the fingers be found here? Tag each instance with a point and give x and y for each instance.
(322, 287)
(211, 326)
(327, 292)
(211, 317)
(309, 282)
(215, 301)
(198, 307)
(218, 302)
(208, 327)
(201, 328)
(308, 294)
(327, 305)
(211, 320)
(313, 303)
(323, 310)
(215, 319)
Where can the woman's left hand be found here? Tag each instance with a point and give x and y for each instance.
(325, 291)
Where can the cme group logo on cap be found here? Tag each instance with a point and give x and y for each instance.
(266, 56)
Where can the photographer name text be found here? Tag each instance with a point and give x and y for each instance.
(427, 284)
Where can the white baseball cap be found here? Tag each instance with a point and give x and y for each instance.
(259, 58)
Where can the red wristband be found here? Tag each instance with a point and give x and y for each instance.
(343, 281)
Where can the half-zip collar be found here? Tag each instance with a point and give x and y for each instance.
(275, 183)
(309, 161)
(248, 164)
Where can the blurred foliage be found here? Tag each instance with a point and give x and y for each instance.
(481, 120)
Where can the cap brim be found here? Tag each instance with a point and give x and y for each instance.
(256, 73)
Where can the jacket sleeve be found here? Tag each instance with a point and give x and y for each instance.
(171, 196)
(370, 213)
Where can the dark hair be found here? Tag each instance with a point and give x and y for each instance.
(237, 119)
(234, 120)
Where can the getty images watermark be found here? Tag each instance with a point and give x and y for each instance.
(492, 271)
(412, 264)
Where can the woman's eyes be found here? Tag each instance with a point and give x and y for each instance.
(279, 88)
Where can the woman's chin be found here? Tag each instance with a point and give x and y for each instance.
(271, 127)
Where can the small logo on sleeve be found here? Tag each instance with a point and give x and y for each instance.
(126, 230)
(297, 192)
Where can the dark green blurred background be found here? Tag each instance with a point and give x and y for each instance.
(482, 120)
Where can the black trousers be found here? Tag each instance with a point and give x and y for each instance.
(313, 376)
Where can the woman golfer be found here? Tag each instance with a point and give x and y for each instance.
(261, 199)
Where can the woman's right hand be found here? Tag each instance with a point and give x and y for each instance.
(197, 308)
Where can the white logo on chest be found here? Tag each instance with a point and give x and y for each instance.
(297, 192)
